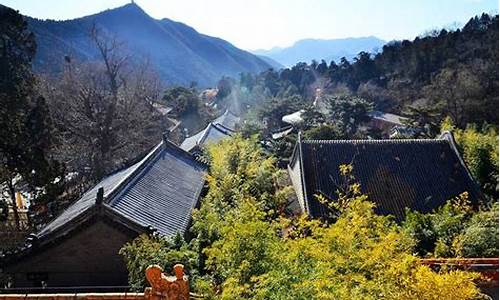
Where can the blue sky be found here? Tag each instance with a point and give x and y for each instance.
(254, 24)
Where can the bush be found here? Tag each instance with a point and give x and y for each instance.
(480, 237)
(454, 230)
(248, 251)
(420, 228)
(147, 250)
(479, 148)
(323, 132)
(360, 256)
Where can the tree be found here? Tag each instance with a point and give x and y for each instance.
(312, 118)
(322, 68)
(274, 108)
(347, 113)
(323, 132)
(224, 87)
(182, 100)
(480, 236)
(364, 68)
(455, 230)
(479, 147)
(147, 250)
(423, 118)
(362, 255)
(239, 172)
(25, 125)
(460, 90)
(104, 111)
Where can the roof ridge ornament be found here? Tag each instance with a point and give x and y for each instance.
(100, 196)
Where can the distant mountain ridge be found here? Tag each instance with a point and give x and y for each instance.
(318, 49)
(178, 52)
(274, 64)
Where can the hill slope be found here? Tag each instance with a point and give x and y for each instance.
(309, 49)
(274, 64)
(178, 52)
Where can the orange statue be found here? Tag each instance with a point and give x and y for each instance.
(165, 287)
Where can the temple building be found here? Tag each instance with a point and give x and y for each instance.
(80, 247)
(220, 128)
(396, 174)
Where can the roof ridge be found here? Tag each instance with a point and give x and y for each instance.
(204, 134)
(109, 193)
(186, 154)
(224, 129)
(302, 174)
(373, 141)
(450, 138)
(126, 179)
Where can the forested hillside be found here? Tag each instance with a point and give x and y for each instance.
(445, 73)
(178, 52)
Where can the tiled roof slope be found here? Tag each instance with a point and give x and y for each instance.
(222, 127)
(228, 120)
(159, 191)
(395, 174)
(387, 117)
(211, 134)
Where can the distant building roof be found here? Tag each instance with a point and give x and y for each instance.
(395, 174)
(162, 109)
(403, 131)
(387, 117)
(222, 127)
(293, 118)
(158, 192)
(213, 133)
(228, 120)
(282, 132)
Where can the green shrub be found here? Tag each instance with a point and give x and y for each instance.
(148, 250)
(480, 237)
(479, 148)
(454, 230)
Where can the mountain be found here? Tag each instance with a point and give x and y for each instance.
(274, 64)
(334, 49)
(179, 53)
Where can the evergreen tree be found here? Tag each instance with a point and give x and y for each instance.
(24, 118)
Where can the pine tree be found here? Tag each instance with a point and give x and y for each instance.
(24, 118)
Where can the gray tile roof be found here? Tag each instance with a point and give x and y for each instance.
(387, 117)
(293, 118)
(282, 132)
(213, 133)
(158, 191)
(228, 120)
(222, 127)
(395, 174)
